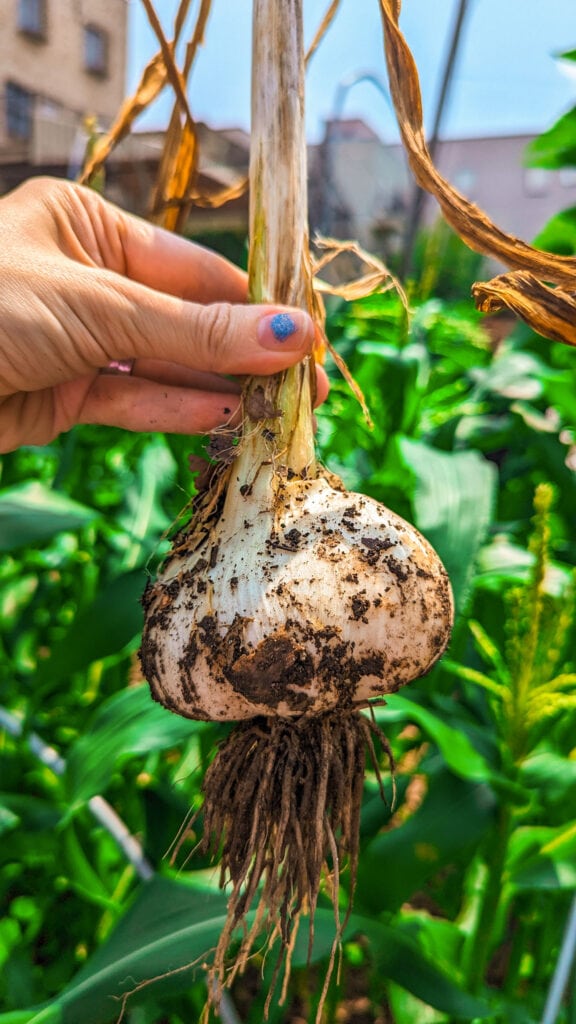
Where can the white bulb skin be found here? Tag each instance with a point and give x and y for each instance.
(318, 599)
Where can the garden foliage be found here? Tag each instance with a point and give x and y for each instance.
(464, 883)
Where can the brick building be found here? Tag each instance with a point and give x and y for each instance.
(60, 61)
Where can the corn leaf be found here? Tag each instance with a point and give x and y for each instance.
(446, 828)
(101, 629)
(31, 513)
(489, 650)
(129, 723)
(543, 858)
(453, 506)
(456, 749)
(471, 675)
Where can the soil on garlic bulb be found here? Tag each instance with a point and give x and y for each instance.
(301, 598)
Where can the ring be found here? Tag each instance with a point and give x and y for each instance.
(119, 366)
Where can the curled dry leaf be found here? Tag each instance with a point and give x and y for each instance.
(542, 307)
(377, 279)
(549, 311)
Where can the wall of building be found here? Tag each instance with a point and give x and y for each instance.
(492, 173)
(52, 68)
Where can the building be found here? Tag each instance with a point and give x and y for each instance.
(60, 61)
(361, 187)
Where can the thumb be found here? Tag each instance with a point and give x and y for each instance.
(218, 337)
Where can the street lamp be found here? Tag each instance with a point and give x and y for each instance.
(346, 83)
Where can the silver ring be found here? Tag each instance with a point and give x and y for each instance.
(119, 367)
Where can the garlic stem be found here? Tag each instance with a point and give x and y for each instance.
(279, 264)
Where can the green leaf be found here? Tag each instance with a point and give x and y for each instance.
(144, 518)
(167, 930)
(445, 829)
(513, 375)
(456, 749)
(172, 926)
(31, 513)
(556, 147)
(502, 561)
(49, 1015)
(552, 776)
(489, 650)
(543, 858)
(129, 723)
(453, 504)
(399, 956)
(14, 596)
(471, 675)
(104, 628)
(8, 820)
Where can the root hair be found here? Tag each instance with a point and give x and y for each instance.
(282, 802)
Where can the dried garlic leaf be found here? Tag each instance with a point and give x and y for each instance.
(549, 311)
(198, 36)
(176, 174)
(474, 227)
(378, 278)
(153, 80)
(354, 387)
(175, 76)
(322, 29)
(212, 200)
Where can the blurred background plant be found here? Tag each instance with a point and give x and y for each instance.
(465, 884)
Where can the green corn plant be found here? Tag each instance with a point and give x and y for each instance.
(529, 683)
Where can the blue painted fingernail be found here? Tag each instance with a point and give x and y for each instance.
(282, 326)
(291, 330)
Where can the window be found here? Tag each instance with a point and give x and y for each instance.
(567, 177)
(95, 50)
(536, 181)
(19, 111)
(32, 18)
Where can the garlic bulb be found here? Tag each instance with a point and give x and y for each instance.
(301, 598)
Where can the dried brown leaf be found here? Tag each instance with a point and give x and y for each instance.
(322, 29)
(198, 36)
(181, 15)
(549, 311)
(473, 226)
(175, 76)
(176, 175)
(378, 278)
(212, 200)
(354, 387)
(152, 82)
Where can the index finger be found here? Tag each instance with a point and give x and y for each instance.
(171, 264)
(150, 255)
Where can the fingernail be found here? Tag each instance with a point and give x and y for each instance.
(285, 330)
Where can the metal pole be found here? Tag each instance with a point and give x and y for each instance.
(564, 966)
(418, 195)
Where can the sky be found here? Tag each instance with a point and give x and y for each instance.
(508, 79)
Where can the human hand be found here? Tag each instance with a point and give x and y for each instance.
(84, 285)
